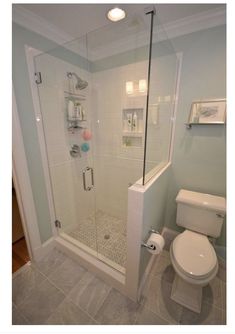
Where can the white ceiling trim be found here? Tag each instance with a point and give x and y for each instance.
(204, 20)
(173, 29)
(193, 23)
(35, 23)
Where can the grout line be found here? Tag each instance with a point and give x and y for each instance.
(84, 311)
(21, 314)
(47, 279)
(34, 267)
(55, 286)
(69, 300)
(29, 292)
(84, 290)
(159, 279)
(67, 296)
(215, 306)
(88, 282)
(111, 288)
(159, 315)
(34, 264)
(21, 269)
(37, 269)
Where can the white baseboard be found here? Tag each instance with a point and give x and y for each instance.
(42, 251)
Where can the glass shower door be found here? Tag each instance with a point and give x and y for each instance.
(91, 88)
(67, 130)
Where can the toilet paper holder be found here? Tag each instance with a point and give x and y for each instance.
(150, 246)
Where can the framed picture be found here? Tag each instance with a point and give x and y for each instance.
(208, 112)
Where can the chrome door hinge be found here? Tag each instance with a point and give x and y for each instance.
(38, 78)
(58, 224)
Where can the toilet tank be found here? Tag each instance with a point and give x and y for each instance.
(200, 212)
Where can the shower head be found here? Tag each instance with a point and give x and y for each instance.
(81, 84)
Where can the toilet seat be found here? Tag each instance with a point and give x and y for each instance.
(194, 256)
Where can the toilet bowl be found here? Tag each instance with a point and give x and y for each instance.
(194, 258)
(195, 263)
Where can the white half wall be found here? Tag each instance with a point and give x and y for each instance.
(146, 209)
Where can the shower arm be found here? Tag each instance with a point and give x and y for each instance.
(70, 74)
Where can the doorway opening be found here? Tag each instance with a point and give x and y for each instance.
(20, 253)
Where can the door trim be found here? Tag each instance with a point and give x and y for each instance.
(30, 53)
(22, 186)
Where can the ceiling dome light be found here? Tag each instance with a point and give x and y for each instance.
(116, 14)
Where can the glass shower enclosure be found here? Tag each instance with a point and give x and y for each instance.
(106, 104)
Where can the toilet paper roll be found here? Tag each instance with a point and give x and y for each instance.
(157, 242)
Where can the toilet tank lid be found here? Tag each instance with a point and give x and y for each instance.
(206, 201)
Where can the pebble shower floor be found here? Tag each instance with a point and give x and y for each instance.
(105, 234)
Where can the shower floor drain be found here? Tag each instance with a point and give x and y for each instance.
(106, 236)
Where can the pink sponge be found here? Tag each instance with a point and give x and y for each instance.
(86, 135)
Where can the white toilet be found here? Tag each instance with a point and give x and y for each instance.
(192, 254)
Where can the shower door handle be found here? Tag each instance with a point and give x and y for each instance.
(92, 177)
(87, 169)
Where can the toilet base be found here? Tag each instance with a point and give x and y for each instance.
(186, 294)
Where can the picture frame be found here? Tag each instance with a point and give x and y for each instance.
(208, 112)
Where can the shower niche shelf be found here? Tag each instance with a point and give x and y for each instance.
(77, 125)
(132, 134)
(74, 96)
(132, 127)
(130, 141)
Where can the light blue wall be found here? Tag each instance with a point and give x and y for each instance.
(154, 209)
(199, 159)
(24, 102)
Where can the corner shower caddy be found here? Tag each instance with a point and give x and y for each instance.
(77, 123)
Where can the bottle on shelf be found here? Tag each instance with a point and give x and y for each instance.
(129, 122)
(135, 122)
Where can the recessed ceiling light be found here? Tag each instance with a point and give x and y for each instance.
(116, 14)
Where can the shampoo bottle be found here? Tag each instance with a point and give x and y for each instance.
(129, 122)
(77, 111)
(70, 110)
(134, 122)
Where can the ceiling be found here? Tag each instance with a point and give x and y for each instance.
(78, 19)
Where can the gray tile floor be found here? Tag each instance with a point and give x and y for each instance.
(59, 291)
